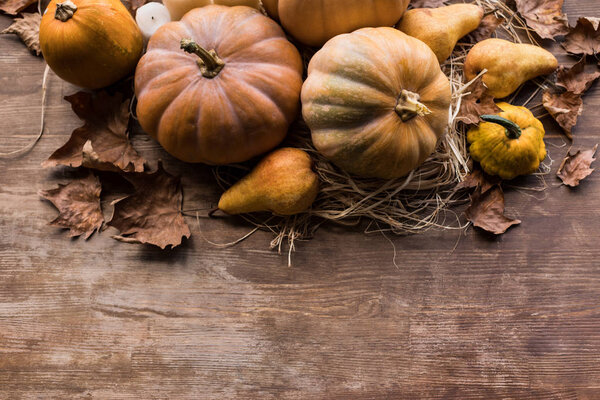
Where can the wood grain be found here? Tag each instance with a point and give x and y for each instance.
(459, 317)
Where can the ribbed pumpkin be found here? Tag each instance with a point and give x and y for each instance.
(313, 22)
(220, 86)
(90, 43)
(376, 102)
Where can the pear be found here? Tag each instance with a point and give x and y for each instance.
(508, 64)
(283, 182)
(441, 28)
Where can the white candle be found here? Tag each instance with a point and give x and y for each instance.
(150, 17)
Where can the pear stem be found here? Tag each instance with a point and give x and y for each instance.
(512, 130)
(209, 62)
(408, 106)
(65, 10)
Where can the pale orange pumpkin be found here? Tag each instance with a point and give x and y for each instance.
(220, 86)
(313, 22)
(376, 102)
(90, 43)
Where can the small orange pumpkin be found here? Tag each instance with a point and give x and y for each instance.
(220, 86)
(90, 43)
(313, 22)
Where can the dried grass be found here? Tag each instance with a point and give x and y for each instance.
(426, 199)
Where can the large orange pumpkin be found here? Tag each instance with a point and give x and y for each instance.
(313, 22)
(90, 43)
(376, 102)
(220, 86)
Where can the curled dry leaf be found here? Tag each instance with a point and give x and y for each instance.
(486, 211)
(13, 7)
(152, 214)
(477, 103)
(545, 17)
(486, 28)
(565, 108)
(427, 3)
(575, 79)
(576, 167)
(78, 204)
(106, 118)
(584, 38)
(28, 30)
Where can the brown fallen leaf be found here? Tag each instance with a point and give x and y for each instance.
(78, 203)
(427, 3)
(565, 108)
(584, 38)
(545, 17)
(575, 79)
(487, 211)
(479, 102)
(13, 7)
(486, 28)
(28, 30)
(576, 167)
(479, 180)
(152, 214)
(106, 118)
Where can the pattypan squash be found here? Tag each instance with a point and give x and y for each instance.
(508, 144)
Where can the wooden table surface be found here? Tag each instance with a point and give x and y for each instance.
(460, 317)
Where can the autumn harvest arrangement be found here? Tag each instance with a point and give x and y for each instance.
(389, 113)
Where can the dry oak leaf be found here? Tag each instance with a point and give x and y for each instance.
(28, 30)
(486, 28)
(584, 38)
(106, 118)
(576, 167)
(13, 7)
(427, 3)
(486, 211)
(477, 103)
(575, 79)
(565, 108)
(152, 214)
(545, 17)
(78, 203)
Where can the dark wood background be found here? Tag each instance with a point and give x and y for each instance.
(461, 317)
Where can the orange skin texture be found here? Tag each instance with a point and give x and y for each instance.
(441, 28)
(314, 22)
(283, 183)
(509, 65)
(97, 47)
(244, 111)
(350, 96)
(271, 8)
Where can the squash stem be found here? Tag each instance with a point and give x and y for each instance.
(210, 64)
(408, 106)
(512, 130)
(65, 10)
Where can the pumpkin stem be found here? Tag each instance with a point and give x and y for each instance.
(408, 106)
(512, 130)
(65, 10)
(210, 64)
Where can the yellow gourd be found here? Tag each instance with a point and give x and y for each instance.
(508, 144)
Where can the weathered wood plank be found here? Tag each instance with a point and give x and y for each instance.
(460, 316)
